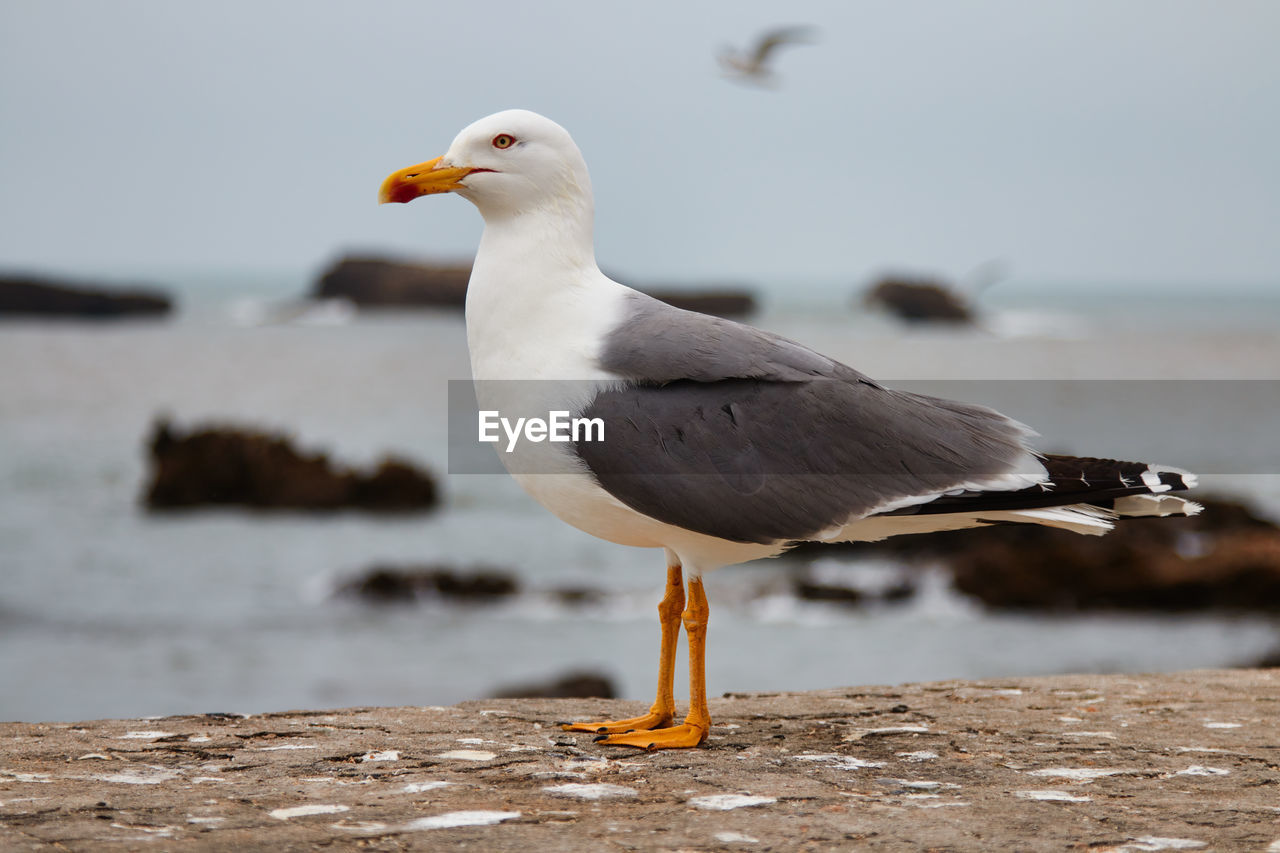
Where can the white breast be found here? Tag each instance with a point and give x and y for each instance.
(535, 346)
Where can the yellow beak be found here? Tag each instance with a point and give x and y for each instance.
(423, 179)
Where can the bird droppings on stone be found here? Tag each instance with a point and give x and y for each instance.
(140, 776)
(884, 731)
(1154, 842)
(933, 801)
(1081, 774)
(592, 791)
(735, 838)
(368, 827)
(468, 755)
(1052, 796)
(727, 802)
(1201, 770)
(839, 761)
(307, 810)
(423, 787)
(463, 818)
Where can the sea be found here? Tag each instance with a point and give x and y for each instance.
(107, 610)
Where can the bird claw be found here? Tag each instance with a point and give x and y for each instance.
(684, 736)
(651, 720)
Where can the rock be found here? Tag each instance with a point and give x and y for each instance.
(807, 590)
(720, 301)
(32, 296)
(1230, 562)
(387, 584)
(577, 596)
(1225, 558)
(381, 282)
(235, 466)
(573, 685)
(1182, 761)
(384, 282)
(919, 301)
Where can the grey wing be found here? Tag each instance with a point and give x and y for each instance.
(731, 431)
(659, 343)
(754, 460)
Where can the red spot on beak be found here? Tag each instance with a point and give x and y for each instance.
(402, 193)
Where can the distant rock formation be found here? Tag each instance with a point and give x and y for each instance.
(718, 300)
(35, 296)
(572, 685)
(919, 300)
(235, 466)
(383, 584)
(373, 282)
(381, 282)
(1226, 558)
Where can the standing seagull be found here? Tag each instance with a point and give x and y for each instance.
(723, 443)
(752, 66)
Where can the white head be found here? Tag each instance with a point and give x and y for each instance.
(506, 164)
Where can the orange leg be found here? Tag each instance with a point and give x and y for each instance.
(696, 725)
(663, 711)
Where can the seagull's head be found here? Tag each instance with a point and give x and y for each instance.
(507, 163)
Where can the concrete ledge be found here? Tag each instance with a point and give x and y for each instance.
(1129, 762)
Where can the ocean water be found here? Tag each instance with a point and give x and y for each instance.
(106, 610)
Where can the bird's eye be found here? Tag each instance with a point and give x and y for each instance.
(504, 140)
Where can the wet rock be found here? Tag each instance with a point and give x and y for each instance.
(372, 281)
(919, 300)
(856, 585)
(385, 282)
(1225, 558)
(576, 596)
(573, 685)
(35, 296)
(1231, 562)
(237, 466)
(389, 584)
(810, 591)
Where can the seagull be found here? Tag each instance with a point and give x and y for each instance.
(721, 443)
(752, 66)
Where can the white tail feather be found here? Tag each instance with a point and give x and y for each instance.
(1136, 506)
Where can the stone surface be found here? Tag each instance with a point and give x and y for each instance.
(1189, 761)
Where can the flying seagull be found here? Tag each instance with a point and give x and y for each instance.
(722, 443)
(751, 66)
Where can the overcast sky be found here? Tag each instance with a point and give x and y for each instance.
(1089, 140)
